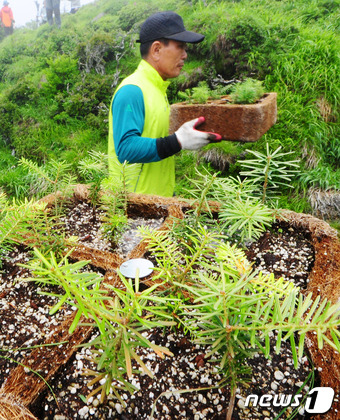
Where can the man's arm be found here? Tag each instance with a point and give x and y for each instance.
(128, 114)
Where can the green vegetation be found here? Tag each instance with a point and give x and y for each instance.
(125, 312)
(200, 94)
(56, 85)
(270, 171)
(247, 92)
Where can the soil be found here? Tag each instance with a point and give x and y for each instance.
(286, 250)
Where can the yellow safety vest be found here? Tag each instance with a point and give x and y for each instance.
(156, 178)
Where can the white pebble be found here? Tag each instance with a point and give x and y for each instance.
(241, 404)
(83, 411)
(119, 408)
(279, 375)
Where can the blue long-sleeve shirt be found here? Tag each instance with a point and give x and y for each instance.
(128, 114)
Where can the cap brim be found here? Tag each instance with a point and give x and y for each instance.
(186, 36)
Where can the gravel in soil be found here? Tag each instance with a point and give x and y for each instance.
(83, 222)
(24, 310)
(285, 251)
(185, 386)
(26, 322)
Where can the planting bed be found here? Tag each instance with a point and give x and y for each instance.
(303, 249)
(233, 122)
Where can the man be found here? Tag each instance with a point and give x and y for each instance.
(139, 112)
(7, 19)
(75, 5)
(53, 7)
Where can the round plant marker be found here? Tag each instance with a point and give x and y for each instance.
(129, 268)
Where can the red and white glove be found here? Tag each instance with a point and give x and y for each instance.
(191, 139)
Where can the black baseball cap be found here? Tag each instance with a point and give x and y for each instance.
(167, 25)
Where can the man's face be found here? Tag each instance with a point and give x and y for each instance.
(171, 59)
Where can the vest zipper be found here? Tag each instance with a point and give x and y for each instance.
(141, 168)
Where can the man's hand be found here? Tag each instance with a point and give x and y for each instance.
(191, 139)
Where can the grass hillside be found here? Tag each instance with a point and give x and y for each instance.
(56, 84)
